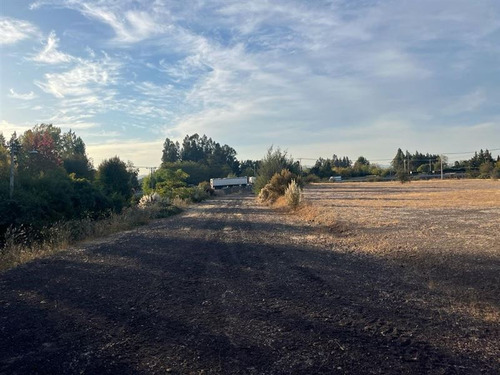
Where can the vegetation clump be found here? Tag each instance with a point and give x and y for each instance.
(278, 185)
(274, 163)
(293, 194)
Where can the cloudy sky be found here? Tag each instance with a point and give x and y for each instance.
(315, 77)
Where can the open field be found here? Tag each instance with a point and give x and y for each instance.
(234, 287)
(447, 231)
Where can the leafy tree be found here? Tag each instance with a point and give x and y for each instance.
(274, 162)
(171, 151)
(361, 161)
(398, 161)
(343, 162)
(197, 172)
(74, 156)
(323, 168)
(40, 149)
(116, 180)
(192, 149)
(248, 167)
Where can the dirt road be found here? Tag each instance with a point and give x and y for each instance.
(230, 287)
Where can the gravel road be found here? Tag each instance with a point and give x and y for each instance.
(231, 287)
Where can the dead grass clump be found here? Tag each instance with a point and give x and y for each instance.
(293, 194)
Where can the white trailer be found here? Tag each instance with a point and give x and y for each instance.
(219, 183)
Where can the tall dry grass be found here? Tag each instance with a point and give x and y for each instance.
(20, 246)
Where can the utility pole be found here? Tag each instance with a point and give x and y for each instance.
(404, 165)
(430, 166)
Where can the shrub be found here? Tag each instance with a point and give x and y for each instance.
(310, 178)
(495, 173)
(402, 176)
(293, 194)
(274, 162)
(278, 185)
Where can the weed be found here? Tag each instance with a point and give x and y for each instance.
(293, 194)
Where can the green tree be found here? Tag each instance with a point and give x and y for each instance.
(40, 149)
(274, 162)
(74, 156)
(192, 149)
(398, 162)
(171, 151)
(116, 180)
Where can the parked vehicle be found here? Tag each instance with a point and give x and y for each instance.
(335, 179)
(219, 183)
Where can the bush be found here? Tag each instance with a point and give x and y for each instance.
(495, 173)
(293, 194)
(278, 185)
(310, 178)
(402, 176)
(273, 163)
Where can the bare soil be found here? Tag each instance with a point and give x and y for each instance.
(231, 287)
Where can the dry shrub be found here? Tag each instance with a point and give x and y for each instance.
(293, 194)
(278, 185)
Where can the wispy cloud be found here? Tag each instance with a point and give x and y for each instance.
(28, 96)
(50, 54)
(357, 73)
(13, 30)
(85, 78)
(129, 24)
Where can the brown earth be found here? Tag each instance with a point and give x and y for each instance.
(231, 287)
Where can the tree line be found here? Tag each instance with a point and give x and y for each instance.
(54, 180)
(481, 165)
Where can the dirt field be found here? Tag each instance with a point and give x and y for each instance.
(448, 231)
(231, 287)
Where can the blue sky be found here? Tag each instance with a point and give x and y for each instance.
(313, 77)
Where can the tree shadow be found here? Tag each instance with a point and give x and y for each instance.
(154, 300)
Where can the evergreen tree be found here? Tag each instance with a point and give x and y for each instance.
(171, 151)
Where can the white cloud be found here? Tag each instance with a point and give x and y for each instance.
(8, 128)
(129, 24)
(141, 153)
(28, 96)
(13, 30)
(50, 54)
(367, 74)
(82, 80)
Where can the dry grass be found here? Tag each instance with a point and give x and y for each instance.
(17, 250)
(447, 231)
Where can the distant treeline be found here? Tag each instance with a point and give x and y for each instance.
(481, 165)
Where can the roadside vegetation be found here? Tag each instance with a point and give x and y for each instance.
(58, 198)
(51, 195)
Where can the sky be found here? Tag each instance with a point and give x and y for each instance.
(313, 77)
